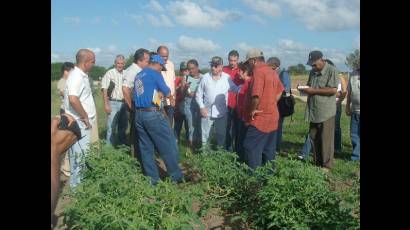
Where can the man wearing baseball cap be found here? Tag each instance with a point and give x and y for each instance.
(154, 130)
(262, 111)
(212, 98)
(321, 108)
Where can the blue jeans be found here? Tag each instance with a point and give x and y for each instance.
(220, 128)
(77, 153)
(355, 135)
(338, 129)
(231, 130)
(154, 132)
(307, 147)
(193, 118)
(259, 147)
(279, 134)
(117, 119)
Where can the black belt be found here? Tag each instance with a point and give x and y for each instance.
(117, 100)
(148, 109)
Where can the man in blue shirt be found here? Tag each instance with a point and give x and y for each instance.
(285, 79)
(153, 128)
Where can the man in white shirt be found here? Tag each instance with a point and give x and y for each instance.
(169, 77)
(114, 105)
(79, 103)
(141, 58)
(212, 98)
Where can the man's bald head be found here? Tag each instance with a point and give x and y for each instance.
(84, 55)
(85, 59)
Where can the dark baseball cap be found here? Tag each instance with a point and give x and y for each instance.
(314, 56)
(183, 66)
(216, 61)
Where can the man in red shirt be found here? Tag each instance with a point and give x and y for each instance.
(179, 116)
(233, 120)
(262, 112)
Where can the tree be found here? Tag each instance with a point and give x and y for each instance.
(95, 73)
(353, 60)
(56, 71)
(298, 69)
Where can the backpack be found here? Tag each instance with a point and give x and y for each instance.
(286, 104)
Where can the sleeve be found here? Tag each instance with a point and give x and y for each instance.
(232, 86)
(127, 82)
(60, 86)
(74, 86)
(286, 81)
(258, 84)
(161, 85)
(332, 81)
(199, 95)
(105, 82)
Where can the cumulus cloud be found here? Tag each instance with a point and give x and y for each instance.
(155, 6)
(162, 20)
(190, 44)
(136, 18)
(293, 53)
(266, 7)
(257, 19)
(72, 20)
(191, 14)
(326, 15)
(54, 57)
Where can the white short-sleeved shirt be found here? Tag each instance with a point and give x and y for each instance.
(129, 75)
(169, 78)
(117, 78)
(78, 85)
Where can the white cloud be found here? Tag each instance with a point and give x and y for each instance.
(136, 18)
(189, 44)
(155, 6)
(112, 48)
(257, 19)
(326, 15)
(72, 20)
(96, 50)
(55, 57)
(293, 53)
(265, 7)
(192, 15)
(163, 20)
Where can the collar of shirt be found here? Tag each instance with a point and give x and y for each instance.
(116, 71)
(81, 72)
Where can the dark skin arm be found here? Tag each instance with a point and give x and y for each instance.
(323, 91)
(76, 104)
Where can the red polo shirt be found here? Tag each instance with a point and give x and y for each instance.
(240, 106)
(266, 85)
(234, 74)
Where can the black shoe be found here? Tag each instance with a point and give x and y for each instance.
(185, 179)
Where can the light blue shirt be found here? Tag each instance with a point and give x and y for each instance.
(213, 94)
(285, 79)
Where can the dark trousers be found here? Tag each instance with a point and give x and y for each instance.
(323, 137)
(134, 135)
(231, 130)
(169, 110)
(259, 147)
(242, 128)
(179, 121)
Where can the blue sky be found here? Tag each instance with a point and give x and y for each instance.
(200, 29)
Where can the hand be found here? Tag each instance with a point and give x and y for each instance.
(107, 108)
(172, 101)
(191, 94)
(87, 123)
(348, 112)
(253, 113)
(204, 112)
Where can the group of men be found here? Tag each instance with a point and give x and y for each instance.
(238, 102)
